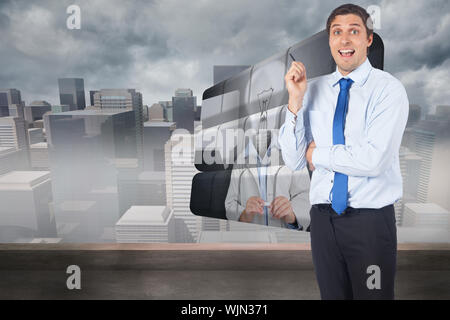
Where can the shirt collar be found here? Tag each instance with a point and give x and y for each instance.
(250, 150)
(359, 75)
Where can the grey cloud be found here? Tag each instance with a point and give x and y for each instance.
(161, 45)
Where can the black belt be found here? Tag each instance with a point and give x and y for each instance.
(327, 206)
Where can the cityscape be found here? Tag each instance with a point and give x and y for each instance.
(106, 169)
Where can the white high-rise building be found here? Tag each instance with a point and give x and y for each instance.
(13, 133)
(25, 211)
(180, 170)
(431, 142)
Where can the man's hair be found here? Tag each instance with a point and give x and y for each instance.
(350, 8)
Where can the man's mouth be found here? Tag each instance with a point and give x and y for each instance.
(346, 52)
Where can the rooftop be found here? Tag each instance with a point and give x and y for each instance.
(16, 180)
(144, 215)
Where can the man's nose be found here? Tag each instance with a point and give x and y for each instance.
(345, 40)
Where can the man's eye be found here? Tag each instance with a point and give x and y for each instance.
(336, 32)
(355, 31)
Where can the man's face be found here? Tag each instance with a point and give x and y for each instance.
(348, 42)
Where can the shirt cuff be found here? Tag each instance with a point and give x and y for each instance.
(294, 226)
(294, 120)
(321, 157)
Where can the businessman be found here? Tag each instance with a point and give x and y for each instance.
(347, 127)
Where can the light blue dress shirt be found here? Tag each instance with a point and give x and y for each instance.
(250, 151)
(376, 119)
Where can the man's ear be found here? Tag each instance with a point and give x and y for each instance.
(370, 40)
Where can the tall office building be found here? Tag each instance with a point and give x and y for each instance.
(87, 148)
(124, 99)
(167, 109)
(180, 169)
(9, 97)
(183, 108)
(71, 92)
(156, 134)
(430, 140)
(17, 110)
(13, 133)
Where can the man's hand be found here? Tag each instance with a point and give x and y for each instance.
(309, 153)
(296, 85)
(281, 208)
(254, 206)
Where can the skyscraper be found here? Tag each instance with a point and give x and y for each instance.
(13, 133)
(9, 97)
(180, 169)
(124, 99)
(87, 148)
(71, 92)
(183, 106)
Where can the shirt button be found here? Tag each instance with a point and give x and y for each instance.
(331, 181)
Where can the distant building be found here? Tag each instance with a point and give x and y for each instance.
(147, 188)
(150, 224)
(35, 135)
(87, 149)
(39, 156)
(71, 92)
(12, 159)
(9, 97)
(156, 134)
(36, 110)
(414, 114)
(60, 108)
(168, 110)
(91, 96)
(25, 212)
(156, 112)
(180, 170)
(13, 133)
(17, 110)
(183, 106)
(221, 73)
(430, 140)
(124, 99)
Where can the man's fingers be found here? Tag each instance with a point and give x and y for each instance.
(299, 70)
(281, 210)
(300, 67)
(280, 204)
(294, 75)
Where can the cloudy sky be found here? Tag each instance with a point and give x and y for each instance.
(158, 46)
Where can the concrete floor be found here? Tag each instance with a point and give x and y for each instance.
(197, 271)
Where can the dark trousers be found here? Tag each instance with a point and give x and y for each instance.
(347, 249)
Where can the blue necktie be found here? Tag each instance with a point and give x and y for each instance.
(340, 184)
